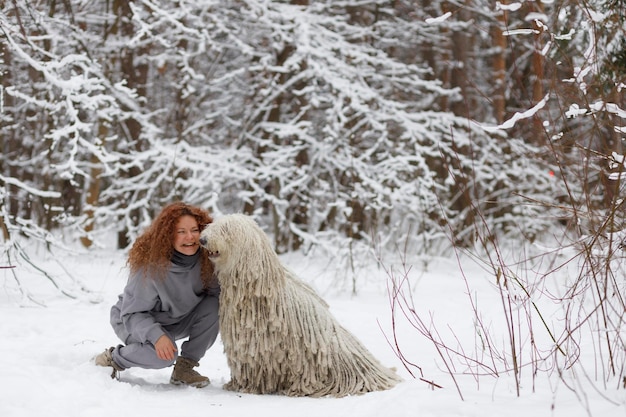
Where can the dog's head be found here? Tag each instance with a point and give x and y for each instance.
(243, 255)
(227, 239)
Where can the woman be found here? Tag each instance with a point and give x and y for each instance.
(171, 294)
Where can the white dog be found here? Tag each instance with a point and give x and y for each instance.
(279, 336)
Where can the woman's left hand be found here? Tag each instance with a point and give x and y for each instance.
(165, 349)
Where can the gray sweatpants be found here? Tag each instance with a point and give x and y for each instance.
(201, 326)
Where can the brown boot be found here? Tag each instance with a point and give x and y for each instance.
(183, 374)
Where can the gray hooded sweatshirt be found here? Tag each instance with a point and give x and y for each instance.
(148, 304)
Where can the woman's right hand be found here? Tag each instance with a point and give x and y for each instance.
(165, 349)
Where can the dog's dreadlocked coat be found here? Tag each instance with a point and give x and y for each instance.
(279, 335)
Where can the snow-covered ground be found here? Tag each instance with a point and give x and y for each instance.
(49, 340)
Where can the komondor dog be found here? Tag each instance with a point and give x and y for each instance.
(279, 335)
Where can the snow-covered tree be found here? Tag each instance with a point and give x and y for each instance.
(336, 122)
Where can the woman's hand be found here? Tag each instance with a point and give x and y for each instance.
(165, 349)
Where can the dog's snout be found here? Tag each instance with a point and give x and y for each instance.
(203, 241)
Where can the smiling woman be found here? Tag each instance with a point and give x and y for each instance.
(171, 294)
(187, 233)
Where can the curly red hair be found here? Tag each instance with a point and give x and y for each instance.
(152, 251)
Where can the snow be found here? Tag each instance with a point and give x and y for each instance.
(519, 116)
(29, 189)
(442, 18)
(50, 340)
(510, 7)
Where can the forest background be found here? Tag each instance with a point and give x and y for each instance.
(345, 127)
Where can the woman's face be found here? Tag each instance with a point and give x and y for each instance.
(186, 235)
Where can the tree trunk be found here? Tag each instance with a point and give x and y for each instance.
(537, 75)
(9, 144)
(461, 66)
(499, 66)
(136, 75)
(93, 190)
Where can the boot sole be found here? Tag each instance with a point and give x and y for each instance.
(199, 384)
